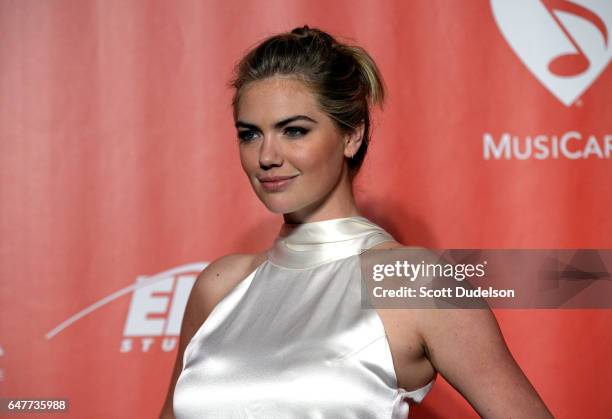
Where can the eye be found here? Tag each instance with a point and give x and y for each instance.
(246, 135)
(296, 131)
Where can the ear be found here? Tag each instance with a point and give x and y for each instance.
(353, 141)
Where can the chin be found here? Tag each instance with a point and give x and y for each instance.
(279, 204)
(279, 208)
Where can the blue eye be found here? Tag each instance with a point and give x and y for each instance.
(245, 135)
(296, 131)
(292, 132)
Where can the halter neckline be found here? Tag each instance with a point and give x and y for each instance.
(306, 245)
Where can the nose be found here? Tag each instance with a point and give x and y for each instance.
(270, 153)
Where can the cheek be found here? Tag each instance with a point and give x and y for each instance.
(323, 164)
(248, 159)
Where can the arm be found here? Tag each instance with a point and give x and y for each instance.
(466, 346)
(211, 285)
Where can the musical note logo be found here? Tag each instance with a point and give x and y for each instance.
(565, 44)
(573, 64)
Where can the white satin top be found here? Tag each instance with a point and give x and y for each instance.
(291, 340)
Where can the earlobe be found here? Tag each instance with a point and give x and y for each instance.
(353, 141)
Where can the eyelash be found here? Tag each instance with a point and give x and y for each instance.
(302, 131)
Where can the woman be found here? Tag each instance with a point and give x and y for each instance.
(282, 334)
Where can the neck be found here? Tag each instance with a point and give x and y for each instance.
(295, 218)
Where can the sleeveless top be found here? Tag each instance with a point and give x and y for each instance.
(292, 340)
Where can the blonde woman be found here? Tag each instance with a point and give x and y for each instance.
(282, 334)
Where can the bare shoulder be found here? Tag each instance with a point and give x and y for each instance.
(467, 348)
(224, 273)
(387, 245)
(394, 245)
(210, 287)
(213, 284)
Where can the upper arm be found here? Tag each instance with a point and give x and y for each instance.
(211, 285)
(466, 346)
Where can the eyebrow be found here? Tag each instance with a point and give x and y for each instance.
(277, 125)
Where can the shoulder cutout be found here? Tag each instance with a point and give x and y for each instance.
(212, 285)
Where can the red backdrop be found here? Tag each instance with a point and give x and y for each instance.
(119, 162)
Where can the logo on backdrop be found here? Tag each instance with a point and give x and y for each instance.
(571, 145)
(565, 44)
(156, 309)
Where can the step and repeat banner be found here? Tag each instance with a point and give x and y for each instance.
(120, 176)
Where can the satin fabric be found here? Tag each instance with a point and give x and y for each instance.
(292, 340)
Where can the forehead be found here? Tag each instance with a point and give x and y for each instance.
(276, 97)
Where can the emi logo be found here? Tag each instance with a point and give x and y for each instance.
(156, 309)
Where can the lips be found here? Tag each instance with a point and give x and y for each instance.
(274, 178)
(276, 183)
